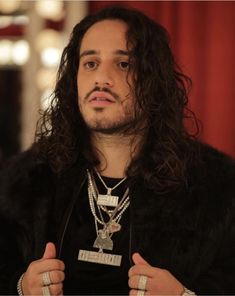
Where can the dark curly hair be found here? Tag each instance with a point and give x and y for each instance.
(161, 91)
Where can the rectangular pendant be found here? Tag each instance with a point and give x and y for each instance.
(99, 257)
(107, 200)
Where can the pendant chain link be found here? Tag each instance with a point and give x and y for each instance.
(121, 207)
(109, 190)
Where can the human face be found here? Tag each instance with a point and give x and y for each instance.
(104, 95)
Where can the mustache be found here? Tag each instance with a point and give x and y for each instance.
(104, 89)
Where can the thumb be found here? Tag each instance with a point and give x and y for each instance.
(137, 259)
(50, 251)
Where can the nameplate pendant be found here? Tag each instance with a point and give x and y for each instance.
(99, 258)
(107, 200)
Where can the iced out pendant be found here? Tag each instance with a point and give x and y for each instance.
(99, 257)
(103, 241)
(108, 199)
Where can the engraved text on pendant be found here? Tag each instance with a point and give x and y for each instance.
(99, 257)
(107, 200)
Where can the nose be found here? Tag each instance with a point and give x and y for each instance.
(104, 76)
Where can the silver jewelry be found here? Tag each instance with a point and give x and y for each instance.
(103, 240)
(140, 293)
(19, 285)
(142, 282)
(92, 195)
(99, 257)
(187, 292)
(46, 291)
(46, 280)
(108, 199)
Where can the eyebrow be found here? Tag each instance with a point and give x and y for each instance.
(97, 52)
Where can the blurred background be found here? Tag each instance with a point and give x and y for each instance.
(34, 33)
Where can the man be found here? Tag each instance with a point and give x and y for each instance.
(115, 197)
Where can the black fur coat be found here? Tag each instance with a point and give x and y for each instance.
(189, 231)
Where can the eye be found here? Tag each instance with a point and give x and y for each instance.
(124, 65)
(90, 65)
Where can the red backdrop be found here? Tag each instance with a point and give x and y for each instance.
(203, 40)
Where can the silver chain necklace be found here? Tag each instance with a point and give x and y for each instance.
(114, 214)
(103, 240)
(95, 193)
(108, 199)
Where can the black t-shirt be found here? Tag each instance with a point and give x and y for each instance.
(85, 278)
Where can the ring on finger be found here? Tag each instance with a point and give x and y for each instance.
(142, 282)
(46, 279)
(46, 291)
(140, 293)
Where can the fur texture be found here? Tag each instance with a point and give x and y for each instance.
(190, 232)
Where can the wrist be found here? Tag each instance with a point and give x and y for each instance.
(19, 286)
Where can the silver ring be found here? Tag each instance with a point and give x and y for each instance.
(46, 280)
(140, 293)
(142, 282)
(46, 291)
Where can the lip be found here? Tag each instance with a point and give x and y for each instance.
(101, 97)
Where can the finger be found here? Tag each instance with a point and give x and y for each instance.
(40, 266)
(133, 282)
(50, 251)
(138, 259)
(56, 276)
(56, 289)
(141, 269)
(135, 292)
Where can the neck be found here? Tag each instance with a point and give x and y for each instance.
(115, 153)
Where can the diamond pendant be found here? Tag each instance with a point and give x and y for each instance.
(107, 200)
(99, 257)
(103, 241)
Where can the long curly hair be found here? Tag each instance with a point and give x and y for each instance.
(161, 91)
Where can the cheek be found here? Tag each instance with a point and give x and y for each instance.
(80, 104)
(84, 85)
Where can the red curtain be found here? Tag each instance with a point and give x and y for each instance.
(203, 40)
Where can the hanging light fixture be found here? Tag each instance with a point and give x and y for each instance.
(5, 52)
(49, 45)
(50, 9)
(20, 52)
(9, 6)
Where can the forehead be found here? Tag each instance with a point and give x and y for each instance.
(105, 35)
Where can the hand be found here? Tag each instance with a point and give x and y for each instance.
(32, 282)
(159, 281)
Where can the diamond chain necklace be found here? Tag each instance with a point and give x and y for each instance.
(103, 240)
(121, 207)
(109, 190)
